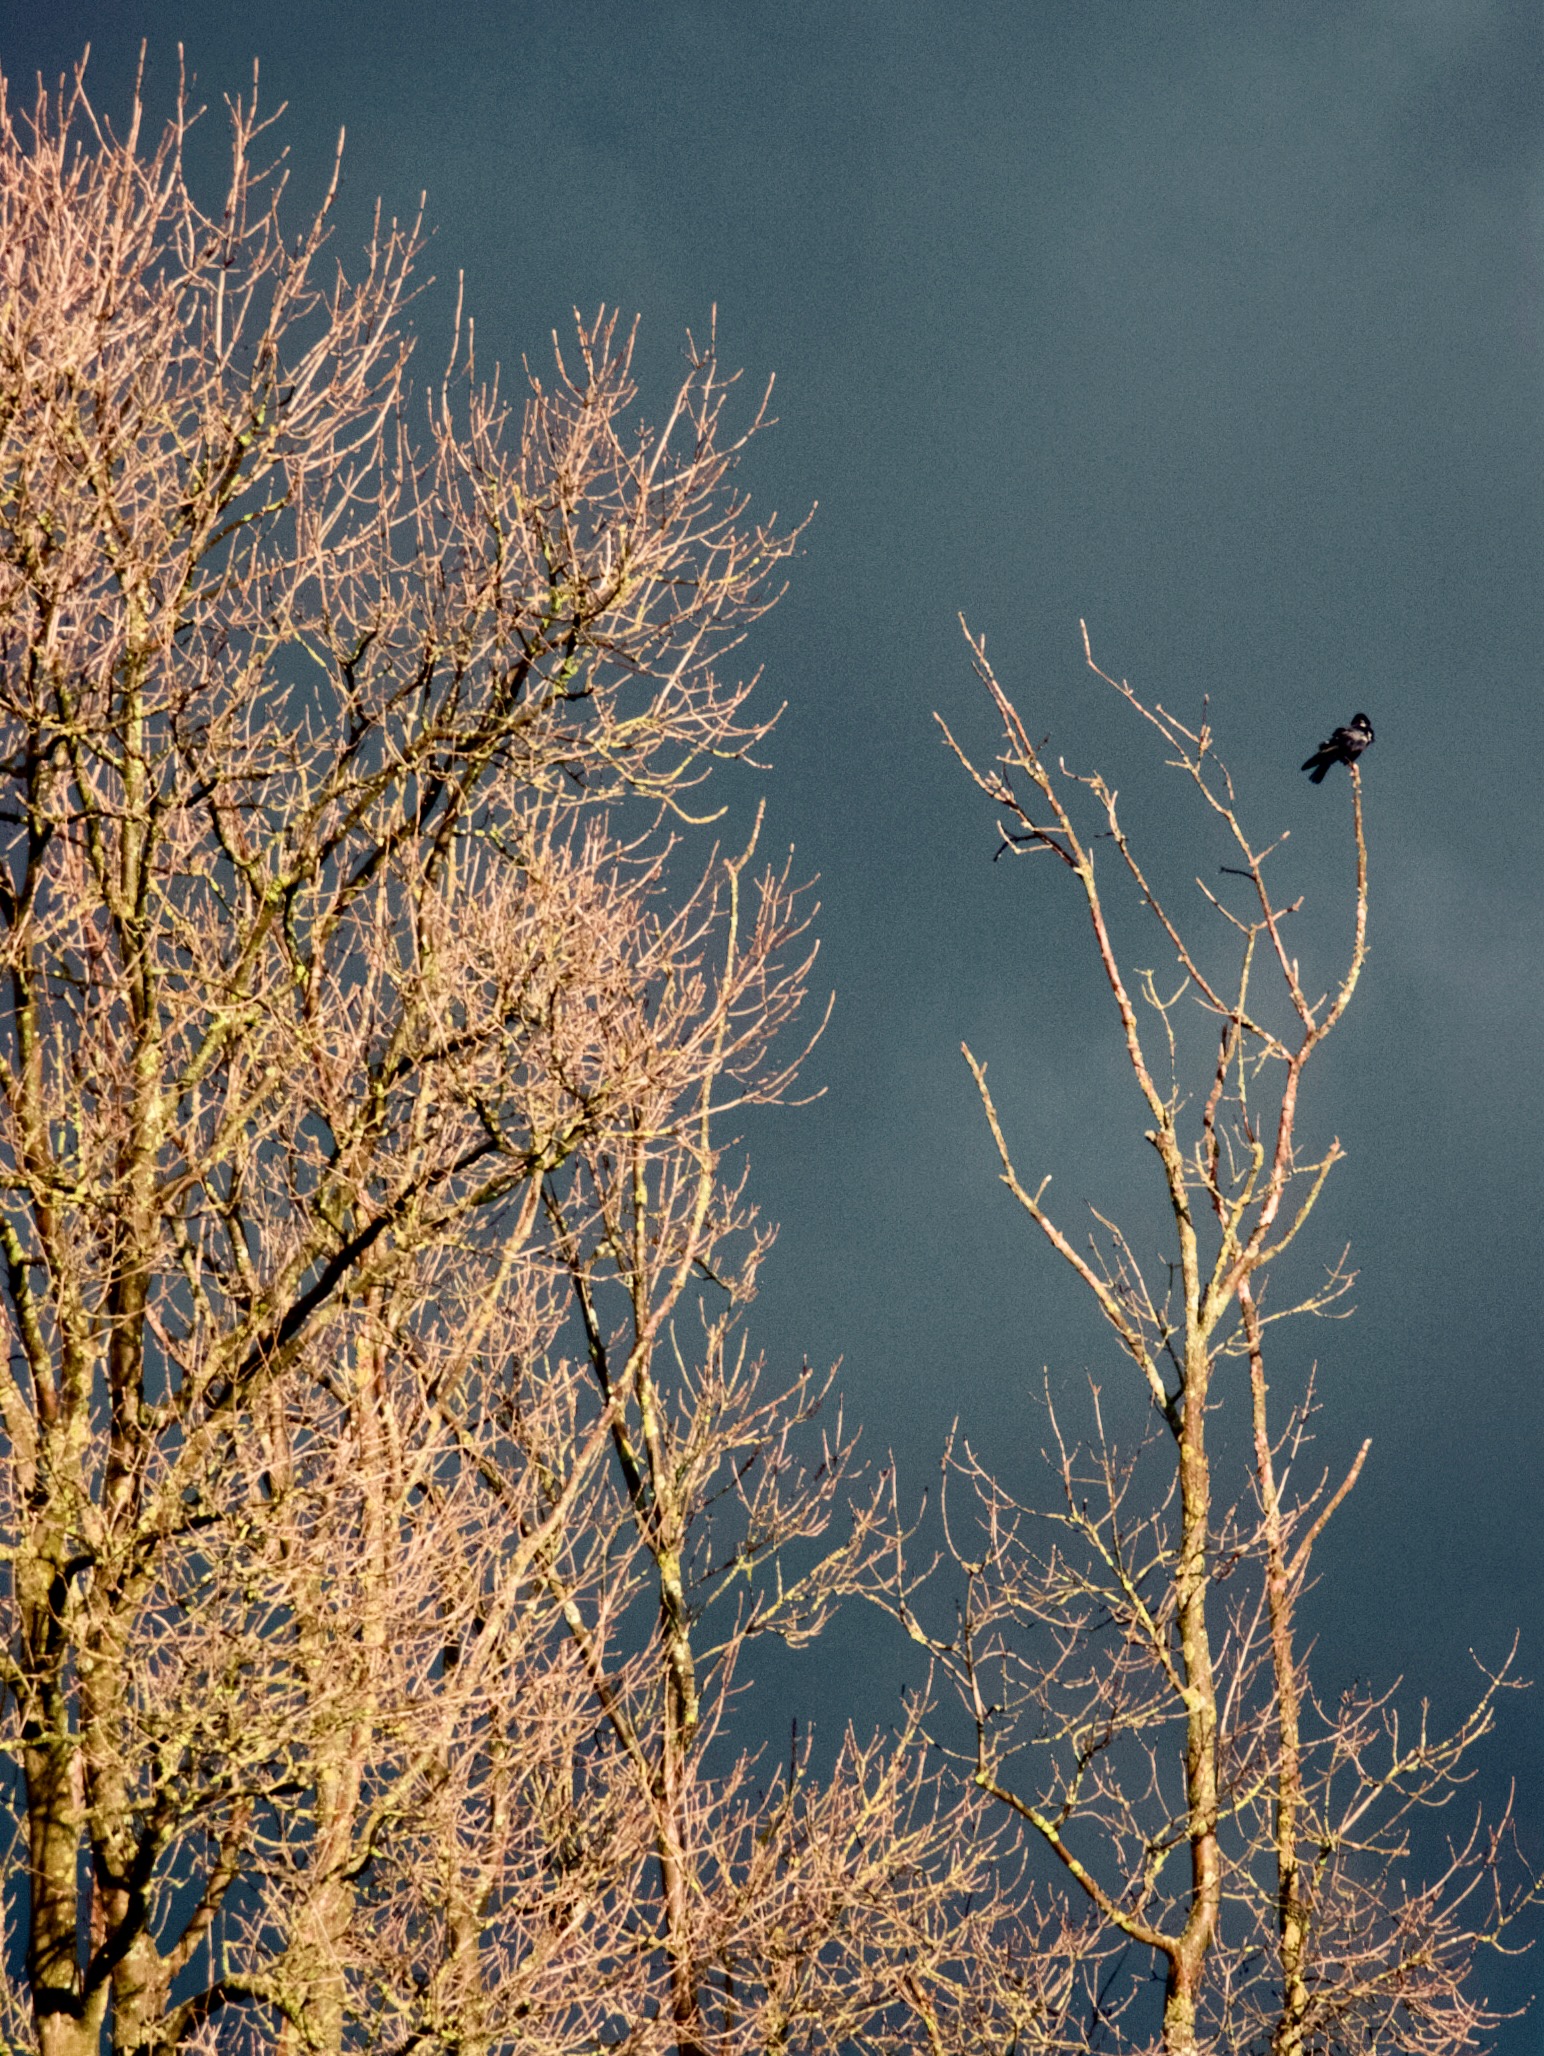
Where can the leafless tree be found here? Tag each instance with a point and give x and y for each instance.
(1129, 1654)
(389, 1495)
(392, 1502)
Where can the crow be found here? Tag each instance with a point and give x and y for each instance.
(1343, 747)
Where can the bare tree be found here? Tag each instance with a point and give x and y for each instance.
(392, 1502)
(1129, 1656)
(390, 1497)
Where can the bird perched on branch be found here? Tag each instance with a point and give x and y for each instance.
(1343, 747)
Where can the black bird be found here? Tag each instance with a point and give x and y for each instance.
(1343, 747)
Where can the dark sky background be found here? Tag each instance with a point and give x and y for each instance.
(1220, 326)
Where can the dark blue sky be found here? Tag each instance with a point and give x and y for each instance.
(1218, 326)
